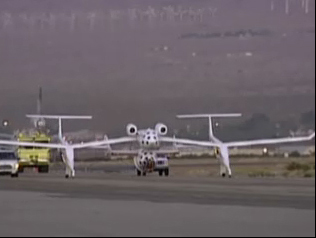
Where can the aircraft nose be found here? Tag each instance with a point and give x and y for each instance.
(151, 140)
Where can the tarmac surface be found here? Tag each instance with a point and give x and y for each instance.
(102, 204)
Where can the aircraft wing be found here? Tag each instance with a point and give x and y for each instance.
(125, 152)
(64, 117)
(188, 142)
(102, 147)
(104, 142)
(74, 146)
(42, 145)
(239, 143)
(136, 152)
(270, 141)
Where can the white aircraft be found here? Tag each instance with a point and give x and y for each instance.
(149, 142)
(60, 119)
(222, 148)
(222, 151)
(61, 139)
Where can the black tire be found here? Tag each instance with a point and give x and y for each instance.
(15, 175)
(43, 169)
(160, 173)
(166, 172)
(21, 169)
(139, 173)
(46, 170)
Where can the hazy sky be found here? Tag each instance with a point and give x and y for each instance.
(130, 61)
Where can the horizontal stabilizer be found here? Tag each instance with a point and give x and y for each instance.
(209, 115)
(63, 117)
(212, 137)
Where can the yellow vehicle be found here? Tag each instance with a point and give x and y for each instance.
(31, 156)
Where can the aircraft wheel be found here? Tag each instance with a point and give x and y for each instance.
(139, 173)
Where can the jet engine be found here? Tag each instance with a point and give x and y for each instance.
(40, 123)
(131, 130)
(161, 129)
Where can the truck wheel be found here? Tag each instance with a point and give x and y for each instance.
(43, 169)
(46, 169)
(15, 175)
(160, 173)
(166, 172)
(21, 169)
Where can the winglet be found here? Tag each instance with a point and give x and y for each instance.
(212, 137)
(312, 136)
(193, 116)
(60, 118)
(63, 117)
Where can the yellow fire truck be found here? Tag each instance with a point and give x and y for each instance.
(31, 156)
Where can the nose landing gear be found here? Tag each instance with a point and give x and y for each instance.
(140, 173)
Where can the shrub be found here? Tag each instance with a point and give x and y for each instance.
(295, 154)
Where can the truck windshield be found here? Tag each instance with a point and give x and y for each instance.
(32, 148)
(26, 147)
(7, 156)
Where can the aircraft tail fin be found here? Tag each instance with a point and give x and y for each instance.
(212, 137)
(39, 101)
(60, 118)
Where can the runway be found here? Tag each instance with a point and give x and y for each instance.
(100, 204)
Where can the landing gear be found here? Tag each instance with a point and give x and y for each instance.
(224, 175)
(140, 173)
(70, 175)
(161, 173)
(67, 176)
